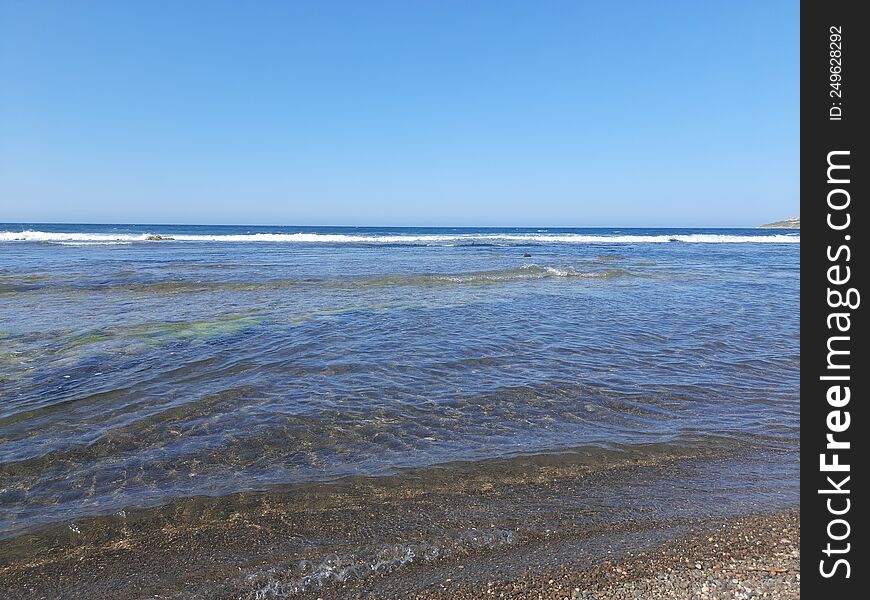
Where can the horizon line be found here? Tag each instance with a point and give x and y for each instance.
(169, 224)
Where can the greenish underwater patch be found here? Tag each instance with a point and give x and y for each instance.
(156, 332)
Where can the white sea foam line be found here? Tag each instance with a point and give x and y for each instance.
(571, 238)
(45, 236)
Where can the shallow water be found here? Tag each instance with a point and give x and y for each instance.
(228, 359)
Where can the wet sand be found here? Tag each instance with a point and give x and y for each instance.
(541, 527)
(739, 558)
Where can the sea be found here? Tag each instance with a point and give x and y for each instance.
(141, 364)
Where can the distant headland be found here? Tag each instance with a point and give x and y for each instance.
(789, 223)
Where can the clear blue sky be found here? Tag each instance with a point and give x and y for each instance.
(572, 113)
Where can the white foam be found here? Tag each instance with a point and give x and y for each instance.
(433, 239)
(46, 236)
(338, 569)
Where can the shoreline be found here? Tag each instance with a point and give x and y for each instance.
(479, 526)
(757, 556)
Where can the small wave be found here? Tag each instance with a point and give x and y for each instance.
(526, 272)
(70, 238)
(431, 239)
(339, 568)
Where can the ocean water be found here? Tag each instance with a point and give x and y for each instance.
(136, 371)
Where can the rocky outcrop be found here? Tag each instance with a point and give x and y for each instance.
(789, 223)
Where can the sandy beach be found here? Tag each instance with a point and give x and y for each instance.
(741, 558)
(541, 527)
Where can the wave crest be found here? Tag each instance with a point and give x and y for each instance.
(430, 239)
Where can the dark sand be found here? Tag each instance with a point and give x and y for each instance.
(740, 558)
(545, 527)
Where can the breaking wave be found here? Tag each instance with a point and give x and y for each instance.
(82, 238)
